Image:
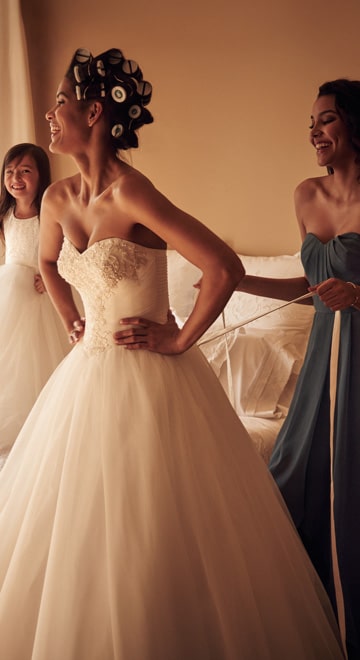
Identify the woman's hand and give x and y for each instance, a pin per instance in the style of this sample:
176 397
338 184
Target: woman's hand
335 294
39 283
148 335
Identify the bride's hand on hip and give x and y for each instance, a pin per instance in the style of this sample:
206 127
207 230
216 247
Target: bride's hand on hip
143 334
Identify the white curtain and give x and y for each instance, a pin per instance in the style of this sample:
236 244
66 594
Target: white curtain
16 118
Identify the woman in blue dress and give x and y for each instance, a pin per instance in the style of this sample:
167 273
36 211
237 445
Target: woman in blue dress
316 458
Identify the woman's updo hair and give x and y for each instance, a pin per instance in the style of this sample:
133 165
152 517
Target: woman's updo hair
347 103
118 83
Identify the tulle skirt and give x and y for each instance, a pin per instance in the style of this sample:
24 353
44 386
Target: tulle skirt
137 522
32 343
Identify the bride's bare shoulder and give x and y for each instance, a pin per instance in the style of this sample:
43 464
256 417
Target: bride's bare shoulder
130 180
64 188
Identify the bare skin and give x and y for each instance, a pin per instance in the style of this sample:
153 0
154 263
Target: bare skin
109 198
325 206
21 179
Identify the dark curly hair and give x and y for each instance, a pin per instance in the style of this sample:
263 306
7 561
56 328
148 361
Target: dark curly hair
16 153
347 103
118 84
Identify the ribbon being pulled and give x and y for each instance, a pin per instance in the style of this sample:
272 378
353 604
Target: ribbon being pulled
230 328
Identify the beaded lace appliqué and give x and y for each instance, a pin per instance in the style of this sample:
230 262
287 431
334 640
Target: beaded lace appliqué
95 273
124 264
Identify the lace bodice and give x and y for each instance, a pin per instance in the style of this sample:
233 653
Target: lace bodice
21 240
116 279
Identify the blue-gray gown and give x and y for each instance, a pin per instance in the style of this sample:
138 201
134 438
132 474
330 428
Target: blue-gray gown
300 462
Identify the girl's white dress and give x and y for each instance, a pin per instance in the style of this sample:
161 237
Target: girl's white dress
137 521
32 338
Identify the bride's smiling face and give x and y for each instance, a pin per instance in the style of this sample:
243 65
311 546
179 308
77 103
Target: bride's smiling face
67 120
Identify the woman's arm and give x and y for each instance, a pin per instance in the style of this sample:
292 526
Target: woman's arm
278 288
221 268
50 242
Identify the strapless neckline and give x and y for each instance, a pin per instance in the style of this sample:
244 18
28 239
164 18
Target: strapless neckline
111 239
310 234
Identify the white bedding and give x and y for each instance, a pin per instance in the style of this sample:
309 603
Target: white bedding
258 364
263 433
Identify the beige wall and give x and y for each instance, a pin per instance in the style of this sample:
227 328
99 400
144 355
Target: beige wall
234 82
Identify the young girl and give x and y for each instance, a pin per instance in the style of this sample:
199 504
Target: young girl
32 340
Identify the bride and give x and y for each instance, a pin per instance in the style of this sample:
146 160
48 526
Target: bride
137 521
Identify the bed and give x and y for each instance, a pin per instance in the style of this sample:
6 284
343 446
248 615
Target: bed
257 364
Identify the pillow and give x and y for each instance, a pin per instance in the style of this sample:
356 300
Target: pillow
182 275
265 355
243 306
218 350
259 373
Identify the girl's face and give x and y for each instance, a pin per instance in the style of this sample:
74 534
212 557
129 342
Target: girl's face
329 134
68 120
21 179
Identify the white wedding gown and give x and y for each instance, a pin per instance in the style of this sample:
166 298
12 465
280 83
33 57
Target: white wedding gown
32 338
137 522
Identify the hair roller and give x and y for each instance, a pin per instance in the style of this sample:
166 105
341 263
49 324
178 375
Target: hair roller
118 83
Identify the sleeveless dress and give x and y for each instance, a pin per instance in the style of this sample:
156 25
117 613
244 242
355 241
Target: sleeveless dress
137 521
32 338
300 462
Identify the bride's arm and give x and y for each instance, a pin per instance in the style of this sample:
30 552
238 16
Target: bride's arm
50 242
222 270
